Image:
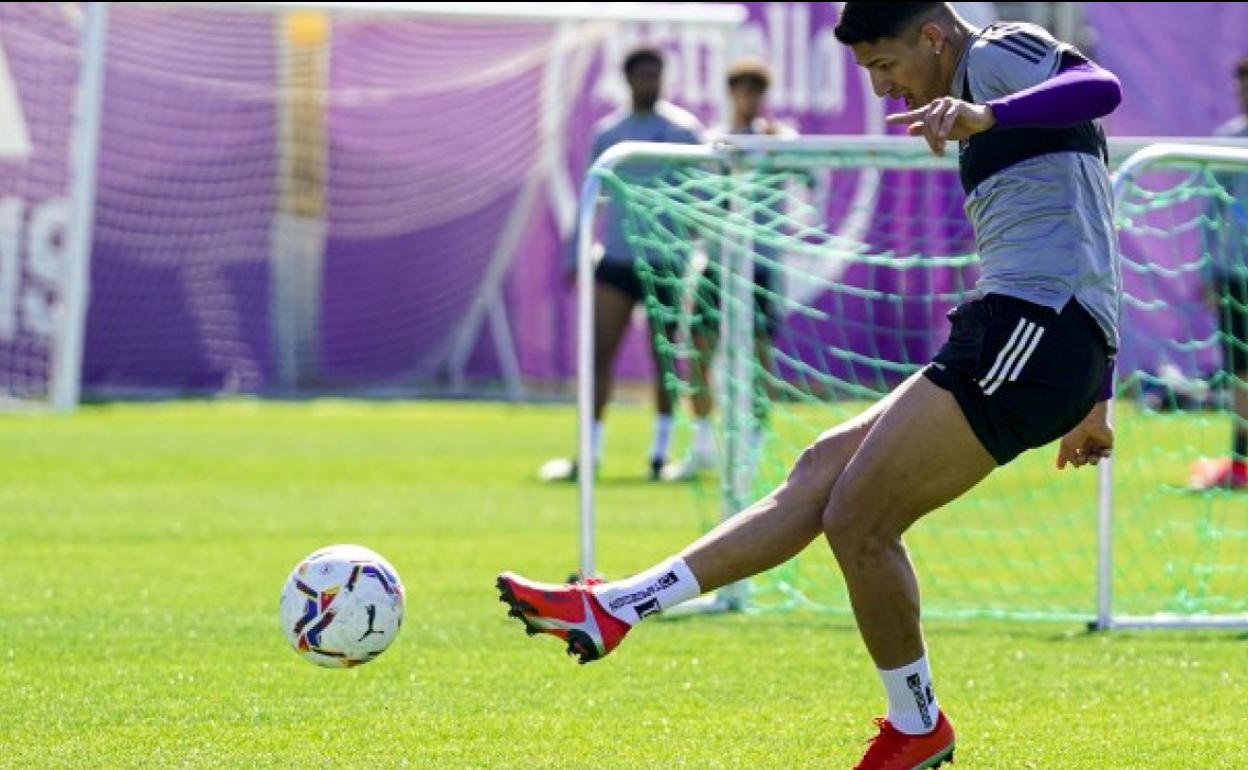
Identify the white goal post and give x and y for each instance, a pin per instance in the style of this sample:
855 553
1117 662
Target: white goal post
49 142
1166 155
870 154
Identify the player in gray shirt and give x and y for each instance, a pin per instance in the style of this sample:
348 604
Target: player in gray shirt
747 79
1025 364
618 279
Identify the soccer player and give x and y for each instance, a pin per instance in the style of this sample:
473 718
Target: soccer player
1227 294
1025 363
617 285
748 79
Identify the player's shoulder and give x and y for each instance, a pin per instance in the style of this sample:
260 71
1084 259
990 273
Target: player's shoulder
784 130
678 117
1006 43
609 124
761 127
1235 127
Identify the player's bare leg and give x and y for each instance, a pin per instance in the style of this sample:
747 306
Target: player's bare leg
786 520
701 453
613 310
594 618
700 373
662 396
920 455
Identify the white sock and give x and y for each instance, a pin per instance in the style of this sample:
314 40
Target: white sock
703 438
599 430
912 706
662 436
646 593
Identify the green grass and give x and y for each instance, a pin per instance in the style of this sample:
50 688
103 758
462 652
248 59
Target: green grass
142 548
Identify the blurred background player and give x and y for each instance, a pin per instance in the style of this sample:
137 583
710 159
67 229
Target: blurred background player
748 79
1227 293
618 286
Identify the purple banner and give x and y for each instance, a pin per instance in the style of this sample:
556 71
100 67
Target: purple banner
186 202
1176 63
452 157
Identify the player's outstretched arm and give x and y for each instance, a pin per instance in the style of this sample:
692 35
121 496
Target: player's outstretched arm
1080 91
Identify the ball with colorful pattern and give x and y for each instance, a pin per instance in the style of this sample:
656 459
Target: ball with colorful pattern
342 606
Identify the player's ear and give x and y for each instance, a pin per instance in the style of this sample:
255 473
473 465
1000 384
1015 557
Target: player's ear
932 37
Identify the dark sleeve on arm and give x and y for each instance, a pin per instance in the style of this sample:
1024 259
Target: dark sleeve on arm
1107 387
1079 91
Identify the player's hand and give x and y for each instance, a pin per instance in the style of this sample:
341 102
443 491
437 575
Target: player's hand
944 119
1088 442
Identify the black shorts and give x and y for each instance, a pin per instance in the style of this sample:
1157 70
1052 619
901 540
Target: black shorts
1233 323
627 277
708 297
1022 373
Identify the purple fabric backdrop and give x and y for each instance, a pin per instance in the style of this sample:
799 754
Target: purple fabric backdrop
37 46
421 179
397 284
185 203
1175 62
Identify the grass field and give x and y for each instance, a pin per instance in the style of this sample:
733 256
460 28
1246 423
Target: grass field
142 548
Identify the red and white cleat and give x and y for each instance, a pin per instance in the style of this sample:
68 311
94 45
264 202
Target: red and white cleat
892 749
569 611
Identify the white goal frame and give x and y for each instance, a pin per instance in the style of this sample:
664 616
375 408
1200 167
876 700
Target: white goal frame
1176 154
1132 156
65 341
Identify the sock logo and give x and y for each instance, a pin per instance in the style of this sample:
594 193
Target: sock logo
646 608
640 597
922 698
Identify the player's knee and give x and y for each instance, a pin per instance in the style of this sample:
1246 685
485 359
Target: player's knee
853 530
832 449
806 467
819 464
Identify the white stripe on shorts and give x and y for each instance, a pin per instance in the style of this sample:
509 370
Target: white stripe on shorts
1006 352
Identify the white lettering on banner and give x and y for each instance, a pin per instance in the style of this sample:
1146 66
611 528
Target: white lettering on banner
46 240
828 84
808 69
800 92
30 306
14 136
10 263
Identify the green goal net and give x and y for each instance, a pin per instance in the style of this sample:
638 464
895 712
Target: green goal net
808 281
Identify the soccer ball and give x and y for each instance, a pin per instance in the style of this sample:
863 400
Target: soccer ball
342 606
